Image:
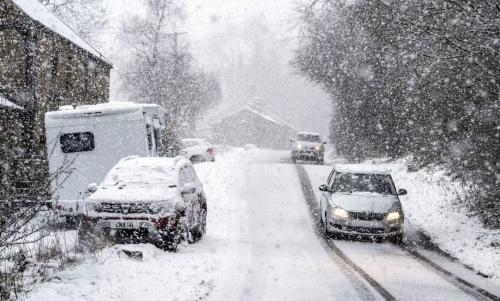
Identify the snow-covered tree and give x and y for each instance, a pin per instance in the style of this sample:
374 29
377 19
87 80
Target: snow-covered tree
85 17
161 69
412 77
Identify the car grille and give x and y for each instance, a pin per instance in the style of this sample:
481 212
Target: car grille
366 230
125 208
367 216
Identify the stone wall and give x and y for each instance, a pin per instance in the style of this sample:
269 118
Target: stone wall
40 71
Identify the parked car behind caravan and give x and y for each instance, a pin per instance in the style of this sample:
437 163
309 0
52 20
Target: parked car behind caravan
85 142
198 150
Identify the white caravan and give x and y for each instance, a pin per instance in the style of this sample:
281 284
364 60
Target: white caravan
85 142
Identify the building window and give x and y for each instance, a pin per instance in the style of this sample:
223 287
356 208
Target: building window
77 142
69 80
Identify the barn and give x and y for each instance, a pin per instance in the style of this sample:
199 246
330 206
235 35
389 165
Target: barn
253 125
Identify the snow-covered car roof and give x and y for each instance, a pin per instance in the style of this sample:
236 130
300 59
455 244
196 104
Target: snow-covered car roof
360 169
141 179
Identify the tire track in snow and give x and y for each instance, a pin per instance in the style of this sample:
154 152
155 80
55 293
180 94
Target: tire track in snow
462 284
345 264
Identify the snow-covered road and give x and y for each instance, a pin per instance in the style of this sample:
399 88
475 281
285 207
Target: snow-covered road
261 244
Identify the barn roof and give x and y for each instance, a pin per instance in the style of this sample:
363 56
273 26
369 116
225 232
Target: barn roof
268 115
39 12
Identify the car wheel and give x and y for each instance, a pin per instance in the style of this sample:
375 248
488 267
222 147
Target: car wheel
398 239
294 160
86 237
195 159
198 232
167 244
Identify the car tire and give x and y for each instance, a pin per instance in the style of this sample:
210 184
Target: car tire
85 237
168 245
195 159
397 239
294 160
200 230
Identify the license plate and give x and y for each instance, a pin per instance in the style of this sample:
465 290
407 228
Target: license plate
125 225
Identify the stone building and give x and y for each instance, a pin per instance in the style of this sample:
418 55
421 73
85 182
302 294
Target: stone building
44 64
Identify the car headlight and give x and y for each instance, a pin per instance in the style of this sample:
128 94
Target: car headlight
393 216
318 147
156 208
93 206
300 146
340 213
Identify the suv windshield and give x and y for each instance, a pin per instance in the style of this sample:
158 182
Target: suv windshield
309 138
375 183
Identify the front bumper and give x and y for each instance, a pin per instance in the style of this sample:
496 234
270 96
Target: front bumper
129 229
370 228
307 154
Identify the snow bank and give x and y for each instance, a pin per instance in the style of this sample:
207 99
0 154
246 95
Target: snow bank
431 206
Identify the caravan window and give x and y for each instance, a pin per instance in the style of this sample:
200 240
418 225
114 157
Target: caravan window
77 142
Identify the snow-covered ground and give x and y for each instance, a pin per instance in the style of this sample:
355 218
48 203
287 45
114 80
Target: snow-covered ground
260 245
431 207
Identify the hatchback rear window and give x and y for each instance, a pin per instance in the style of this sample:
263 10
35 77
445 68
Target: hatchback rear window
77 142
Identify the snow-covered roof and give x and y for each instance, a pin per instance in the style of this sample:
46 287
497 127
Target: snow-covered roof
39 12
361 169
270 116
103 108
6 103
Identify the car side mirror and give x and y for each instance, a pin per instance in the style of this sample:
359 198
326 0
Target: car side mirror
292 140
188 188
402 192
92 188
323 188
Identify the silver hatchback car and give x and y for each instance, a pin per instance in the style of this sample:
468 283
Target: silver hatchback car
361 202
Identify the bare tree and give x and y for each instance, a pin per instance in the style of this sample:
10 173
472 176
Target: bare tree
85 17
160 69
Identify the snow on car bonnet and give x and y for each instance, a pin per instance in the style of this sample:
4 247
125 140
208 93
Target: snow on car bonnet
138 179
360 169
